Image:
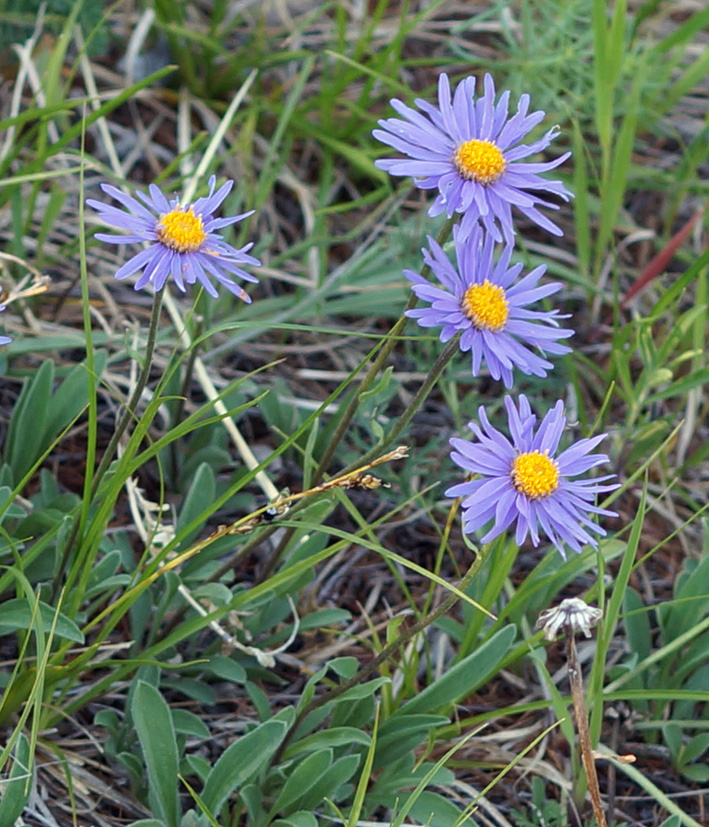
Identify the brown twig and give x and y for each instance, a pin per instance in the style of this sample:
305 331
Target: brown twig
577 695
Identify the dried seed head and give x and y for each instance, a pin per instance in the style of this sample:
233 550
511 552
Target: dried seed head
570 616
366 481
400 452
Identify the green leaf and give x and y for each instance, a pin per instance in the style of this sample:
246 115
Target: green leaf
382 384
17 614
696 772
637 624
327 785
427 779
344 667
304 776
110 584
360 160
17 788
672 734
260 701
681 386
105 568
435 811
620 584
11 511
242 760
691 602
397 726
192 688
187 723
132 764
198 765
356 713
333 737
324 617
156 733
678 286
465 676
25 435
201 493
299 819
339 773
400 735
694 749
107 718
227 669
672 821
70 398
363 690
252 797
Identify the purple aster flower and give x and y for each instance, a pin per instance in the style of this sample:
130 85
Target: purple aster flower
184 242
470 151
482 301
521 479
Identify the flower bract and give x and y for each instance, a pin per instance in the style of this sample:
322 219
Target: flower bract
482 299
471 152
184 240
521 479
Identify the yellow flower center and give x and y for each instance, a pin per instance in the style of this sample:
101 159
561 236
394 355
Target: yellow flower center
181 230
535 474
480 161
486 306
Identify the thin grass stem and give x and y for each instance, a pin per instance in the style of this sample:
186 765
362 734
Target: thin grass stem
192 356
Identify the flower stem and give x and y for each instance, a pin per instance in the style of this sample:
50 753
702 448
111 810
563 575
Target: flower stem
577 694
